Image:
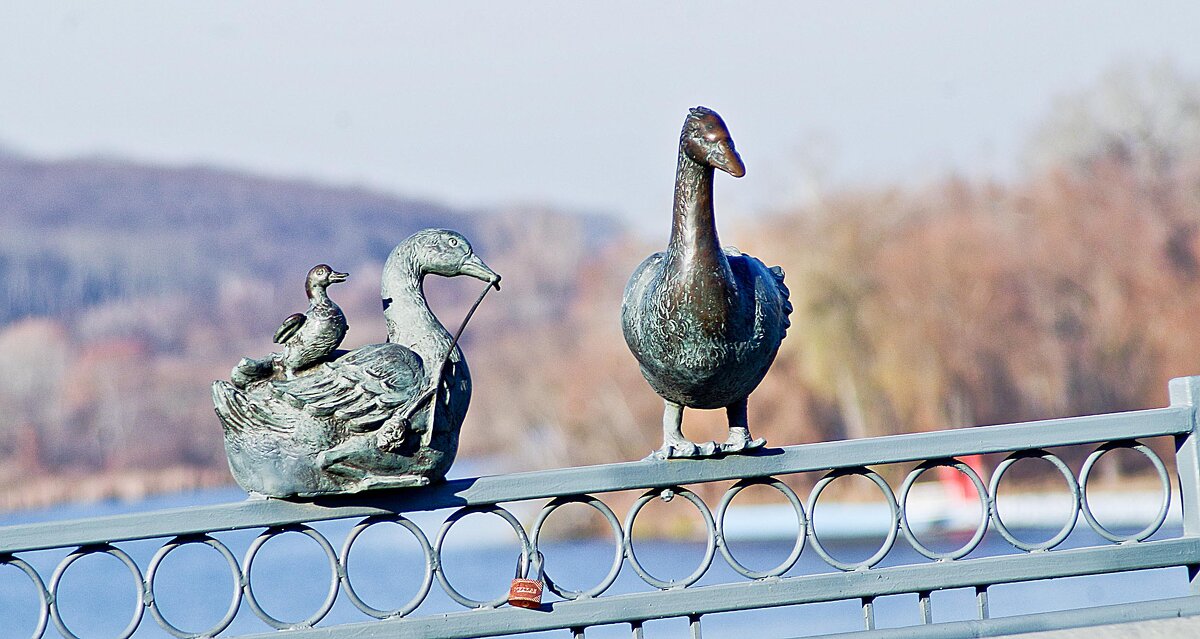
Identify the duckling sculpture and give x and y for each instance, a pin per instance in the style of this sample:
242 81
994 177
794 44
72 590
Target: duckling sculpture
704 322
307 338
380 416
310 337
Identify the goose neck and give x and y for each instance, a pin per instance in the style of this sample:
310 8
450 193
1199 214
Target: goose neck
694 245
410 322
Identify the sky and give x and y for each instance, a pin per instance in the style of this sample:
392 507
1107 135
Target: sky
576 105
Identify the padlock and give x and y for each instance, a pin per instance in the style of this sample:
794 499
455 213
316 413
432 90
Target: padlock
526 592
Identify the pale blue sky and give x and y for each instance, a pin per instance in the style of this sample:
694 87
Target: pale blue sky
569 103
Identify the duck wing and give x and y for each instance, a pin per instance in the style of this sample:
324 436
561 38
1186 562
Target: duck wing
289 327
363 388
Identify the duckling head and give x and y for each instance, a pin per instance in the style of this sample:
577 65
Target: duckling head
321 276
707 142
449 254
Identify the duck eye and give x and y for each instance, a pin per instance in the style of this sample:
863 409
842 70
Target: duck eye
453 241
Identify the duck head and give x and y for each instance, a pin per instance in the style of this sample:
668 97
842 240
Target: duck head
707 142
449 254
321 276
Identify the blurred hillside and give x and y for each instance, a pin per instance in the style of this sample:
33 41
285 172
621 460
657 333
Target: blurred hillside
125 289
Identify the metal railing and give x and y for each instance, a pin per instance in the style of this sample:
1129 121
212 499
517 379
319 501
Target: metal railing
862 581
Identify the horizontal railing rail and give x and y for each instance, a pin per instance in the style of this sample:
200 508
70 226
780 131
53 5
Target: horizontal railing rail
693 597
489 490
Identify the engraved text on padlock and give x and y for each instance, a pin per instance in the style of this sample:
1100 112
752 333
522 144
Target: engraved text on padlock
525 592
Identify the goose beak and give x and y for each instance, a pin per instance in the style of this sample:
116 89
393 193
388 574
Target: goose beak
729 161
338 277
477 269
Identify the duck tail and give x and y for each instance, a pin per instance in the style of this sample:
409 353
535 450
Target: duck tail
251 370
784 295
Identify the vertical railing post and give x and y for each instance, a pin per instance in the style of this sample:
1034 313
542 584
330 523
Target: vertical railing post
1185 392
868 608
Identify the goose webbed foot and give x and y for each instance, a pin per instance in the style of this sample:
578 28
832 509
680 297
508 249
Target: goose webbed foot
395 431
739 441
680 448
392 435
675 445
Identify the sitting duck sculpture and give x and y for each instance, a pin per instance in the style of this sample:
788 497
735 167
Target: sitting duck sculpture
704 322
380 416
308 338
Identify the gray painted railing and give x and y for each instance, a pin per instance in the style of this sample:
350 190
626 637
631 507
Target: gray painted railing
861 581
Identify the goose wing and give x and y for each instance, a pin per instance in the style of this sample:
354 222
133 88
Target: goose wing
767 281
244 414
362 388
289 327
639 295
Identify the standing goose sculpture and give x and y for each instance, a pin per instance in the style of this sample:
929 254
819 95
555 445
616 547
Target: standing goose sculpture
704 322
380 416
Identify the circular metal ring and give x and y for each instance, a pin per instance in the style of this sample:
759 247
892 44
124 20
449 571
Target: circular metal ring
426 583
234 570
526 552
710 550
618 538
894 516
39 585
139 607
801 532
334 569
1159 518
984 509
1072 486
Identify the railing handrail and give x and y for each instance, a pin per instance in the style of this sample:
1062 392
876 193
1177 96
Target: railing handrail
487 490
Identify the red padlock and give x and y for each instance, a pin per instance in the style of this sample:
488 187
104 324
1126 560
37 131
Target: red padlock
526 592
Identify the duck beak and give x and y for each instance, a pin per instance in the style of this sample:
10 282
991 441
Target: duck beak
477 269
338 277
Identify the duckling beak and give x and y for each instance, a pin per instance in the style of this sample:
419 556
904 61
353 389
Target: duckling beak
338 277
477 269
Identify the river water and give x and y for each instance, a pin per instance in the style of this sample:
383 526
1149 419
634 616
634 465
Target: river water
291 578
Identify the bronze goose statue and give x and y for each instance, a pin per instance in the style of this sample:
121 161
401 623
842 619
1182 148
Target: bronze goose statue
704 322
380 416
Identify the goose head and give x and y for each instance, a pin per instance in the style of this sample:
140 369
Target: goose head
321 276
706 141
449 254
